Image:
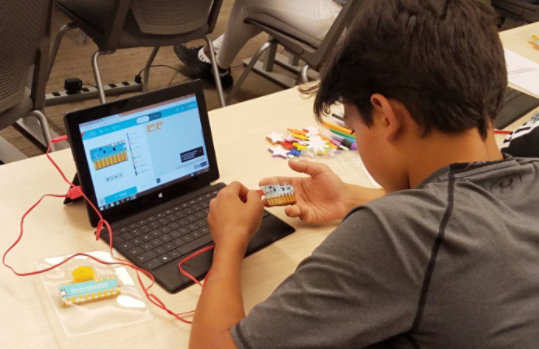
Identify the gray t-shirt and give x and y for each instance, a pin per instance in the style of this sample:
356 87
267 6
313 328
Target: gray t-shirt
451 264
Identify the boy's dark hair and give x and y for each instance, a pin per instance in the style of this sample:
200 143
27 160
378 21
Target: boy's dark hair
441 58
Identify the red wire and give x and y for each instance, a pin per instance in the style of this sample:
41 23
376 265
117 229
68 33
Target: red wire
119 261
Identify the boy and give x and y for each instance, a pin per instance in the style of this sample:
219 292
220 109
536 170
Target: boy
448 258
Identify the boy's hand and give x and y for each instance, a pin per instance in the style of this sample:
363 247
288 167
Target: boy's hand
235 215
320 198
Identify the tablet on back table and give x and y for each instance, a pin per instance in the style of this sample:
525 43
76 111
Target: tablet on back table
148 163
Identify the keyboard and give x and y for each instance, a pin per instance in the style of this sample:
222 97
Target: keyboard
167 235
516 105
509 94
159 239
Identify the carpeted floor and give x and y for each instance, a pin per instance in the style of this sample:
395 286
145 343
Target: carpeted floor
74 60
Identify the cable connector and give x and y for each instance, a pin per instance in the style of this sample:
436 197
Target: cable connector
74 192
59 139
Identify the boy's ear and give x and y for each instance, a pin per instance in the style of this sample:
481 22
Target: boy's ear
389 114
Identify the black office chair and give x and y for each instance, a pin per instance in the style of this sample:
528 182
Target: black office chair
514 13
25 36
117 24
302 47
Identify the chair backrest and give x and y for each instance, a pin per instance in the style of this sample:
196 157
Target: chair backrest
24 37
526 11
173 17
114 24
311 50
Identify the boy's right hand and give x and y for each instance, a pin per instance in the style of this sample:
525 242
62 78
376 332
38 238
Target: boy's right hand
320 198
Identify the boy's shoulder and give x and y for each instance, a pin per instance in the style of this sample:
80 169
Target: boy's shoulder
461 185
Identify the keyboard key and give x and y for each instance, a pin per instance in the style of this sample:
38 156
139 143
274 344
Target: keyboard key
156 242
164 258
160 250
145 257
179 242
200 214
147 246
174 253
201 223
135 252
125 246
165 229
165 238
152 264
117 239
198 206
183 231
173 226
196 244
146 237
187 238
196 234
179 214
169 246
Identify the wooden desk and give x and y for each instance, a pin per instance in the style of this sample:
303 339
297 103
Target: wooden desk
517 40
55 230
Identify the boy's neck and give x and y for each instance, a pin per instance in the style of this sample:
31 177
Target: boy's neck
438 150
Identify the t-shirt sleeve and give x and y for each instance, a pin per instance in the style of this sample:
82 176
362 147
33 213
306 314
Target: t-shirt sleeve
359 287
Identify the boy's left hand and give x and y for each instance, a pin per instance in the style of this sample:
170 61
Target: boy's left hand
235 215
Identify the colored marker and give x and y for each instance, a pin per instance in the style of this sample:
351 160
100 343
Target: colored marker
337 127
342 134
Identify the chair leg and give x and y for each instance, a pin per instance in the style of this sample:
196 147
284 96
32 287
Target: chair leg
36 130
215 72
303 77
63 30
269 60
97 75
247 69
146 78
44 127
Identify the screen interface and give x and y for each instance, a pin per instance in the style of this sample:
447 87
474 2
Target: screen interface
130 154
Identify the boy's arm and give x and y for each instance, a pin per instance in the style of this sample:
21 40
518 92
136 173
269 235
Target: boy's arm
234 217
220 305
358 195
